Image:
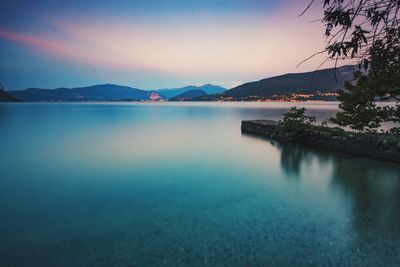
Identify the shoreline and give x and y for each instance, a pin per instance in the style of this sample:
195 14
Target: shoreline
375 146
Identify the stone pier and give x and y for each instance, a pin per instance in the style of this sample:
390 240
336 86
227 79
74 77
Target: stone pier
375 146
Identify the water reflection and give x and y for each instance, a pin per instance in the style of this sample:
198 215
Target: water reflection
177 184
292 157
3 113
371 189
374 190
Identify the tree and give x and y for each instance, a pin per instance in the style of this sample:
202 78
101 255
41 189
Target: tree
294 122
367 31
358 108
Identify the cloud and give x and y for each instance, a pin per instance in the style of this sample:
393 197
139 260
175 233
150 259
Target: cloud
42 44
88 51
194 46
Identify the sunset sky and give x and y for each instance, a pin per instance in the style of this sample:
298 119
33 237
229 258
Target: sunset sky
153 44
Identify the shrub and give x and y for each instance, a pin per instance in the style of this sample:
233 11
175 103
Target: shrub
294 122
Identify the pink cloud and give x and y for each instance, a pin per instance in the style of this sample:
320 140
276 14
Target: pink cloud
42 44
92 51
215 47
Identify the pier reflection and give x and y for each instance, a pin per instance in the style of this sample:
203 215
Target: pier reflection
371 188
374 190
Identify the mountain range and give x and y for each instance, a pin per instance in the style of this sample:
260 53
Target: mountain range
106 92
209 89
4 97
308 82
189 95
315 82
321 83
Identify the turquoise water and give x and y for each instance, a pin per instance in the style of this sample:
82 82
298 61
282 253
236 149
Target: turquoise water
180 185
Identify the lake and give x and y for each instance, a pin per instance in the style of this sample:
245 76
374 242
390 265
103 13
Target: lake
178 184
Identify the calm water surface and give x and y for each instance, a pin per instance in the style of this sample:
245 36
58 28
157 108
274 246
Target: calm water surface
179 185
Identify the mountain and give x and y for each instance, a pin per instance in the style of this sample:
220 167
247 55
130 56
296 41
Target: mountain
4 97
321 84
188 95
292 83
102 92
208 88
106 92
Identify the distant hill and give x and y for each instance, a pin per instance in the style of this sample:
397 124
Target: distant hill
308 82
322 83
208 88
106 92
4 97
102 92
188 95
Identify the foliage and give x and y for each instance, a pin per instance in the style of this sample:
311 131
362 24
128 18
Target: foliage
358 108
358 101
294 122
353 26
368 31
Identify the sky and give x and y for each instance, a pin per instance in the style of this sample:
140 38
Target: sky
154 44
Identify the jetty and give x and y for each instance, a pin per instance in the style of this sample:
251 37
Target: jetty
371 145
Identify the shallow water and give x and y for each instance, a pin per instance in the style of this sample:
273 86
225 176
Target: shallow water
180 185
